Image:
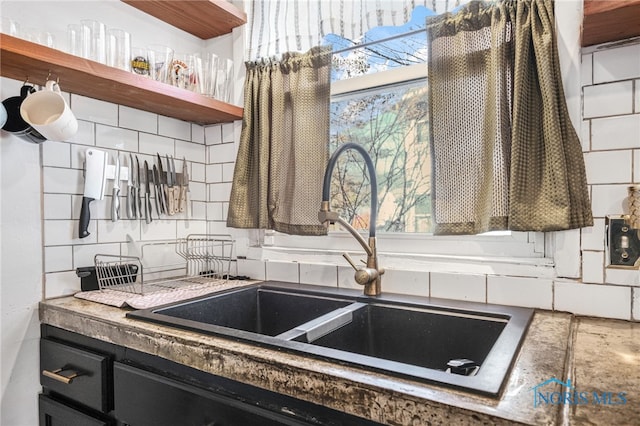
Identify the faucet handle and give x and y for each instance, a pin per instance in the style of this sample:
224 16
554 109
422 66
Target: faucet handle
348 259
363 275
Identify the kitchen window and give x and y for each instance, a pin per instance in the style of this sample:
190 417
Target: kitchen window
379 100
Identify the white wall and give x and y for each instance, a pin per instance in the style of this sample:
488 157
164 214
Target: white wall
41 186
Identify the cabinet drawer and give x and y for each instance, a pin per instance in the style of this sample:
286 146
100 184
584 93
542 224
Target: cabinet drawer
148 399
54 413
77 374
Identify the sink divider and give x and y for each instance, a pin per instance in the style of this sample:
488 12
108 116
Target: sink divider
323 325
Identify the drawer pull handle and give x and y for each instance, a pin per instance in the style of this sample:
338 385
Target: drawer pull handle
55 375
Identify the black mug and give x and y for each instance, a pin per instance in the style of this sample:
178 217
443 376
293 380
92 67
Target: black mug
15 124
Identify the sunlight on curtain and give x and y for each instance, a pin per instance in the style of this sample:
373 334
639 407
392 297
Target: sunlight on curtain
504 152
278 26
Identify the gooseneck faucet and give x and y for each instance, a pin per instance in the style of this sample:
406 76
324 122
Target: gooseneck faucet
370 275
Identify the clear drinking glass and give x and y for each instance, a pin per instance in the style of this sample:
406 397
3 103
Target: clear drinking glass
75 40
139 61
119 49
224 80
210 74
95 35
160 60
10 27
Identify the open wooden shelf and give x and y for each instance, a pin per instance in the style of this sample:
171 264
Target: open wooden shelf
610 20
202 18
22 59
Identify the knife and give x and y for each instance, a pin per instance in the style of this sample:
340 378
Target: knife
131 212
157 189
171 181
94 185
184 187
115 198
177 184
147 195
163 195
138 185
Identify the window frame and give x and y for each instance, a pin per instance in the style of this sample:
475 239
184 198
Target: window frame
516 248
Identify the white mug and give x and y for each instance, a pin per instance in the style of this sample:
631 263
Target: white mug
48 112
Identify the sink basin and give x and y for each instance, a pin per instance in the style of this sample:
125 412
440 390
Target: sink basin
460 344
256 310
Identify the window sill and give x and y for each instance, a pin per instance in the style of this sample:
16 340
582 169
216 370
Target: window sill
537 267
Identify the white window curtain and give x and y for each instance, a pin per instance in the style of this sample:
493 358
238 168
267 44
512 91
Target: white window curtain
279 26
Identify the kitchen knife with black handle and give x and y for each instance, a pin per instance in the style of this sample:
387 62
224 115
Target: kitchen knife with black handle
157 190
95 178
163 193
138 186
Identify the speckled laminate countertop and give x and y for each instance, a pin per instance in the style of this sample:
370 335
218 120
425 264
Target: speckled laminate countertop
600 357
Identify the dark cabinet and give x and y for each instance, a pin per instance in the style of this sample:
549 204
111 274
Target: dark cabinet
87 382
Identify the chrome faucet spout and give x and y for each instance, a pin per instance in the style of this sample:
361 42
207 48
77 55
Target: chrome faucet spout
370 275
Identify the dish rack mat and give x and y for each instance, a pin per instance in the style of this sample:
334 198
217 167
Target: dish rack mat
196 259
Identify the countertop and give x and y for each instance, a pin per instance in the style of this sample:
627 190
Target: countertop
598 358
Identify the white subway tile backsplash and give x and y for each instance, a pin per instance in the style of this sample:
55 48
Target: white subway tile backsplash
193 226
615 132
635 310
56 154
94 110
518 291
621 63
116 138
58 258
317 274
346 278
65 232
135 119
191 151
608 200
198 191
59 284
66 181
225 211
592 299
593 267
114 232
83 255
586 70
199 210
154 144
219 191
405 282
214 173
607 99
197 172
227 172
593 236
619 168
282 271
158 230
222 153
585 135
636 166
57 206
636 108
459 286
228 133
627 277
86 134
214 211
254 269
197 133
213 134
174 128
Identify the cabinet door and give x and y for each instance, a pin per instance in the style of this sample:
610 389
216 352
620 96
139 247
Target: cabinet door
54 413
143 398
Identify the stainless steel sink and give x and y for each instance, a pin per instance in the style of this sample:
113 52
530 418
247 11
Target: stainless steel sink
461 344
